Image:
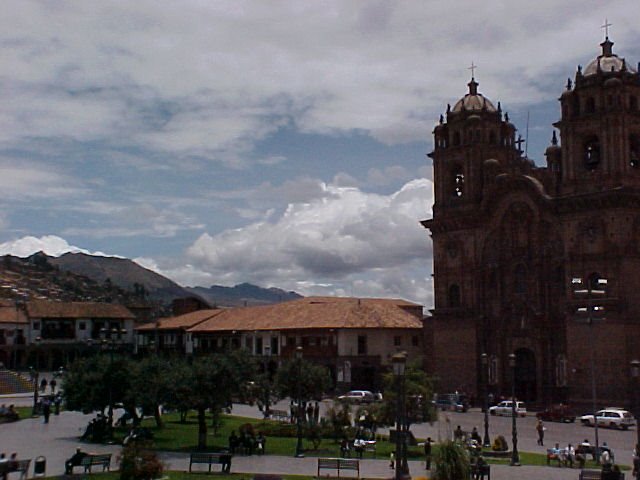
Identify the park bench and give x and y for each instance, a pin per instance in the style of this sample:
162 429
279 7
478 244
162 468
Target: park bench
481 471
215 458
339 464
279 415
21 466
560 457
96 460
595 475
364 446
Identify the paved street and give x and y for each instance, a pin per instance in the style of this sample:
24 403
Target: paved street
58 439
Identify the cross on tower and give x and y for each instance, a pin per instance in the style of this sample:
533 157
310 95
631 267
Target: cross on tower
473 69
519 143
606 28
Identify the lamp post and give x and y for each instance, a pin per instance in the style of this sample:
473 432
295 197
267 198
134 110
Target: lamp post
484 362
635 374
515 458
399 362
35 374
298 354
590 307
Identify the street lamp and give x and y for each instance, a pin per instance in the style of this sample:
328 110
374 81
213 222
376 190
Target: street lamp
484 362
299 410
635 374
592 308
399 362
515 458
35 374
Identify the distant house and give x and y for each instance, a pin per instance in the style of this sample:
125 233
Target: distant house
170 334
59 331
13 329
354 337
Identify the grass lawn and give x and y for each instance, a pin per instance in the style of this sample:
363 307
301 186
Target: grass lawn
183 437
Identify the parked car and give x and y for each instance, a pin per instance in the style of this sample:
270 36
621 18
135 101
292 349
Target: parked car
456 402
610 417
505 408
557 413
357 396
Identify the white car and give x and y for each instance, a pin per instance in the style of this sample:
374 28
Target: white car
610 417
505 408
357 396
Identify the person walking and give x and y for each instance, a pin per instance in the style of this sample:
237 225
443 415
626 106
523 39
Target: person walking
427 453
540 429
46 409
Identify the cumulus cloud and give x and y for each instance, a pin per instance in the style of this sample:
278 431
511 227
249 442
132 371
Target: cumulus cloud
344 240
50 244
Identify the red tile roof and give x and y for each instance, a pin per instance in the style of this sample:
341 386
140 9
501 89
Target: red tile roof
9 313
185 321
316 313
48 309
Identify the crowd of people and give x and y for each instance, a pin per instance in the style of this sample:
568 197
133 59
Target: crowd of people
247 443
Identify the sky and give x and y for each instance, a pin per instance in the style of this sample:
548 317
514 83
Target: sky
278 142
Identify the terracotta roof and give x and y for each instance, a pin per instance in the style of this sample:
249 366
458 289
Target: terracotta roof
315 313
181 321
9 313
47 309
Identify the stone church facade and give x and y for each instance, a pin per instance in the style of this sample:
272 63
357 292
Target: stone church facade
509 238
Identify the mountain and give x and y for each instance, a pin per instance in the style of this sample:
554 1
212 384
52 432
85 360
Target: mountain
122 272
244 294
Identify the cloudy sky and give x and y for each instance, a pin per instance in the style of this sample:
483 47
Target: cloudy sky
276 142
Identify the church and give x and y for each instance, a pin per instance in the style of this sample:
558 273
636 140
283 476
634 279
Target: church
537 268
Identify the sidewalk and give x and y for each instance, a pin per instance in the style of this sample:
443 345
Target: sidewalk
58 439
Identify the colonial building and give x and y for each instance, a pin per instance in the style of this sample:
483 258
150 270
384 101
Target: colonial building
355 338
509 237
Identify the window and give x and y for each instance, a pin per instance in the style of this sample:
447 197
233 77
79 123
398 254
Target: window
397 341
561 371
493 370
258 345
492 138
454 296
456 138
82 326
415 341
591 153
634 150
362 344
590 106
36 325
633 104
520 279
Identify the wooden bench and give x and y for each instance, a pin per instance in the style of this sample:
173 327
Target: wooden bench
21 466
211 458
339 464
595 475
95 460
361 447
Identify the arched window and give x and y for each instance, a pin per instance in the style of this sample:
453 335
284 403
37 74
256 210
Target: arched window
520 279
590 106
454 296
457 181
592 152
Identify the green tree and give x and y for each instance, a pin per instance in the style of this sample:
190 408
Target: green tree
309 379
418 394
150 385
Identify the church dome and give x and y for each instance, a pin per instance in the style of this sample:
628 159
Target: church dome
473 101
607 62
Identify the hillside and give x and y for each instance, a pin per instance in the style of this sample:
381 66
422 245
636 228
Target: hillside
244 294
122 272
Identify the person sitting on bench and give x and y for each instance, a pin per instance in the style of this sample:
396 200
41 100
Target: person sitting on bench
74 461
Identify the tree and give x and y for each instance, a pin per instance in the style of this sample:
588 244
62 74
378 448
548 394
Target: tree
150 385
312 380
418 395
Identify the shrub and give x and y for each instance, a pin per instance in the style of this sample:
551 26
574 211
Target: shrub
451 462
139 462
499 444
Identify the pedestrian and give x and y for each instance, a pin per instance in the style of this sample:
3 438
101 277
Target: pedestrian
316 413
392 460
540 429
52 385
43 385
46 409
57 400
427 453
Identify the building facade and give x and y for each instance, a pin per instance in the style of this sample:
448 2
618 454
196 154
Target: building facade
510 239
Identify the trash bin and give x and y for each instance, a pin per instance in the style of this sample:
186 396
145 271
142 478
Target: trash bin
40 466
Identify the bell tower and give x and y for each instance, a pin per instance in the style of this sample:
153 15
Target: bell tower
600 125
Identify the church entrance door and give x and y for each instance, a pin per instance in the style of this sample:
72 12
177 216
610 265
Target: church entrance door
526 385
